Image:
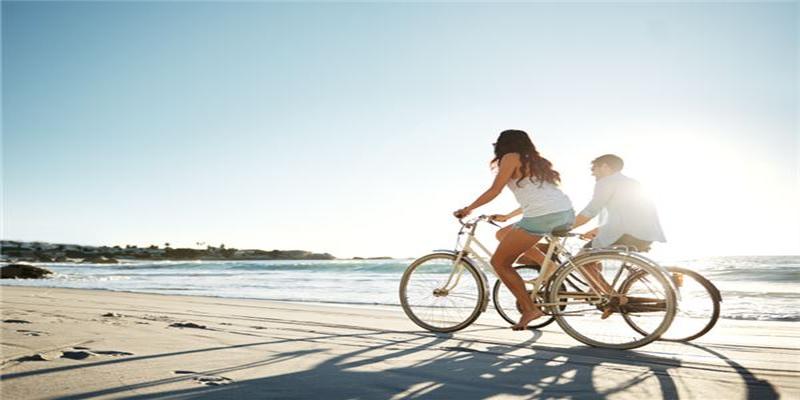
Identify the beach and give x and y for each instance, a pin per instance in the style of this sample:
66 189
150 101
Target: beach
77 343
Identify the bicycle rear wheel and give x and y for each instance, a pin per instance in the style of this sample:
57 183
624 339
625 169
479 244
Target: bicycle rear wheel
440 295
596 316
698 307
508 306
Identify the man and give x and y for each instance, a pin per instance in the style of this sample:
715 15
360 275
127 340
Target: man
630 218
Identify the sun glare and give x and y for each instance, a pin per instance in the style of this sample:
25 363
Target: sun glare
709 200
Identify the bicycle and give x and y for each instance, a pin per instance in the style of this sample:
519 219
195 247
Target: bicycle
698 307
447 290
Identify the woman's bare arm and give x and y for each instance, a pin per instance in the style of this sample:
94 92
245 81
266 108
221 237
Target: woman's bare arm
508 164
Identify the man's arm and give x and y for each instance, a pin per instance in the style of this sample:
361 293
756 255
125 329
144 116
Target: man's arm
600 198
580 220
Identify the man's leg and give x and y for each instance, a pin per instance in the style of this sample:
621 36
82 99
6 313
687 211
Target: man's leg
593 272
594 275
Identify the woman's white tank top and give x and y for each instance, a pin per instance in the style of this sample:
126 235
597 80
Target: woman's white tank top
538 198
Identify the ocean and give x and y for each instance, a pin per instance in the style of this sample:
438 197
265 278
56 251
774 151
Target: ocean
753 288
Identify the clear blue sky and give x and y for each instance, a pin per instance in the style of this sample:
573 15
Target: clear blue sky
356 129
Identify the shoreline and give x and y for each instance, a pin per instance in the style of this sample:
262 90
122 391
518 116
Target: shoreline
387 306
124 260
299 302
107 344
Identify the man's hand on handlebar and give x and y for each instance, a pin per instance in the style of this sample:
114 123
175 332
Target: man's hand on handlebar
589 235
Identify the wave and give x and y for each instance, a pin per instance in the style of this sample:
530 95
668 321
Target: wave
756 294
784 274
761 317
324 268
364 267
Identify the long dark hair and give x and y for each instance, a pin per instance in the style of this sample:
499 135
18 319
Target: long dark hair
534 166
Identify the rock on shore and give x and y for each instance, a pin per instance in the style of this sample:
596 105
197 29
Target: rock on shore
23 271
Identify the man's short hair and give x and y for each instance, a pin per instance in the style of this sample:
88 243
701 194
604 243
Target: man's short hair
612 160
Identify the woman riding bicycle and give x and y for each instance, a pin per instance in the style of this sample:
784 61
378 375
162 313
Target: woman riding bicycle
544 207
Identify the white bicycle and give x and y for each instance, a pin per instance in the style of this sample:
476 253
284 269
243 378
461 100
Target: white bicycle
601 294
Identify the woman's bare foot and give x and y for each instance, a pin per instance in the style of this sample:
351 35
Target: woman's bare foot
526 318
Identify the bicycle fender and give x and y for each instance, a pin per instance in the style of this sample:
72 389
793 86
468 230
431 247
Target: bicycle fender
715 293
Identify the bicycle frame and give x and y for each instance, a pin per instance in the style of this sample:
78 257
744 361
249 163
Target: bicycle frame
469 254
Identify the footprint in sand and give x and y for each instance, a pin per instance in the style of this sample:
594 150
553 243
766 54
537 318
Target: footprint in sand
111 353
32 333
162 318
111 315
77 353
187 325
48 356
210 380
213 380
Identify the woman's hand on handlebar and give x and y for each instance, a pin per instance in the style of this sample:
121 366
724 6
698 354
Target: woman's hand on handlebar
462 212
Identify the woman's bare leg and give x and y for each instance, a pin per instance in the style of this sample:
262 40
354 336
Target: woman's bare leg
514 243
534 255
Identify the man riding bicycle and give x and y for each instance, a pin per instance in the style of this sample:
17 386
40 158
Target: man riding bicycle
629 217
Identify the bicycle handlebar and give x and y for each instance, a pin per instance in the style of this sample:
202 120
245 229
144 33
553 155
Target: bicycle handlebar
475 220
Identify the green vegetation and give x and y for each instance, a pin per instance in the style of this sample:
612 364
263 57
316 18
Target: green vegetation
49 252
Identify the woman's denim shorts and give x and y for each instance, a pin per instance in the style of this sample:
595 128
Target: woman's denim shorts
547 223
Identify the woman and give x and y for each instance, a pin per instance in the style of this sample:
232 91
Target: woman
543 205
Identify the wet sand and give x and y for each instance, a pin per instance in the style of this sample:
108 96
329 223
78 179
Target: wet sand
69 343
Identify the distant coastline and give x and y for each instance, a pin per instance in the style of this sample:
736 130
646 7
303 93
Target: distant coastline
16 251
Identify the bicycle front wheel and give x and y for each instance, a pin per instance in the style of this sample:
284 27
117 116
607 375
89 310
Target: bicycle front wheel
596 310
698 307
440 295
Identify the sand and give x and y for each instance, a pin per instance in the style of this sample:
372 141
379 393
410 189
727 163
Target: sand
68 343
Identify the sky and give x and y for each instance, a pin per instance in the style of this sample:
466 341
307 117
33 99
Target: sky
358 128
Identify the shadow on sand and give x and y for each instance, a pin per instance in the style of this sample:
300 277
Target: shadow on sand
398 365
